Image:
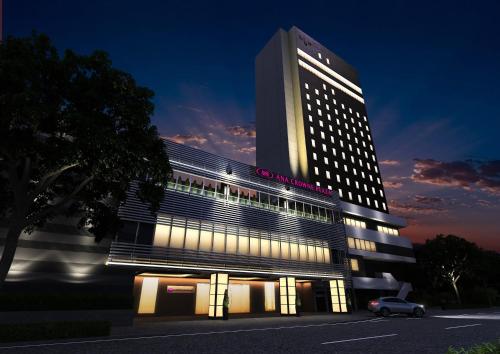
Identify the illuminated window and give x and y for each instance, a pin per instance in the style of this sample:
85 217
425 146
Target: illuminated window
354 265
338 178
306 85
308 97
388 230
315 157
354 222
177 237
326 160
328 61
324 147
313 143
162 235
316 171
311 130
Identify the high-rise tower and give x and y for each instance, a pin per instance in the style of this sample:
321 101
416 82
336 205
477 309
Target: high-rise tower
312 124
312 121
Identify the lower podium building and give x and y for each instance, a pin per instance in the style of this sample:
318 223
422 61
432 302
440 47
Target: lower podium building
266 238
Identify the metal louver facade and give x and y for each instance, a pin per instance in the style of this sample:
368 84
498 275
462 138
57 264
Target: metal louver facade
308 244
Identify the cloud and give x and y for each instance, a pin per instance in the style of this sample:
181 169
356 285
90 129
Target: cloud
389 162
407 208
392 185
469 174
484 203
247 150
427 200
188 139
246 131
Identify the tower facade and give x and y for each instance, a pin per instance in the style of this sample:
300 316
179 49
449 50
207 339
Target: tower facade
312 124
312 121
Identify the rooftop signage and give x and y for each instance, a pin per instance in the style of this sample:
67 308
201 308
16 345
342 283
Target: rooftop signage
264 173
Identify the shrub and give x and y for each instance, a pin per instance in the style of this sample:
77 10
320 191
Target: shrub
54 302
484 348
53 330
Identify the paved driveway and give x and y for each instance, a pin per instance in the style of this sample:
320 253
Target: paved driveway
312 334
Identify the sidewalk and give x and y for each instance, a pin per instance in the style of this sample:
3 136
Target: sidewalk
153 326
143 327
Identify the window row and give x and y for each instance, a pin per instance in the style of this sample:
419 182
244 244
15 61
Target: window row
355 223
180 235
388 230
219 190
360 200
359 244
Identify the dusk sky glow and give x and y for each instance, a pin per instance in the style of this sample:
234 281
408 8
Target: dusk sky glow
429 72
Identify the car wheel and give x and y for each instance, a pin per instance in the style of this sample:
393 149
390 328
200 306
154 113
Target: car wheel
418 312
385 312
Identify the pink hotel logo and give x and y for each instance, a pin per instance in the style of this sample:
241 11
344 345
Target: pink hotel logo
262 172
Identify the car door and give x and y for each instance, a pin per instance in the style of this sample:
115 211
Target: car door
394 304
391 304
403 306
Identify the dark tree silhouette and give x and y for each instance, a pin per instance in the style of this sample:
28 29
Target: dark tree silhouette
446 259
74 133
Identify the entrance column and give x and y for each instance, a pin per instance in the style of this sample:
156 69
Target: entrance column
337 293
218 285
287 296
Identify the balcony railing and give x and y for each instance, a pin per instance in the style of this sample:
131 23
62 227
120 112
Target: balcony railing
147 255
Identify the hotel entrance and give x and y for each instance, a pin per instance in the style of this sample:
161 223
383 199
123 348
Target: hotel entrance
188 295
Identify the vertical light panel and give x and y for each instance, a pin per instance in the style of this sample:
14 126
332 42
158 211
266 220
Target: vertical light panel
287 296
269 296
218 285
337 291
202 298
162 235
239 296
149 289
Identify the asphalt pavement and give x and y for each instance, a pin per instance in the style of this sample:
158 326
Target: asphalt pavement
359 333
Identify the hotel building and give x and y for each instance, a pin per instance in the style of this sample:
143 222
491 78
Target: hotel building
265 237
311 114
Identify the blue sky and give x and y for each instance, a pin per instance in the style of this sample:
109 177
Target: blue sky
429 70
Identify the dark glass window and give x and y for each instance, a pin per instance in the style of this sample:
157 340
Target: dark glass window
127 232
145 234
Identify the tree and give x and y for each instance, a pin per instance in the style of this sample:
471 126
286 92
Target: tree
74 133
447 259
